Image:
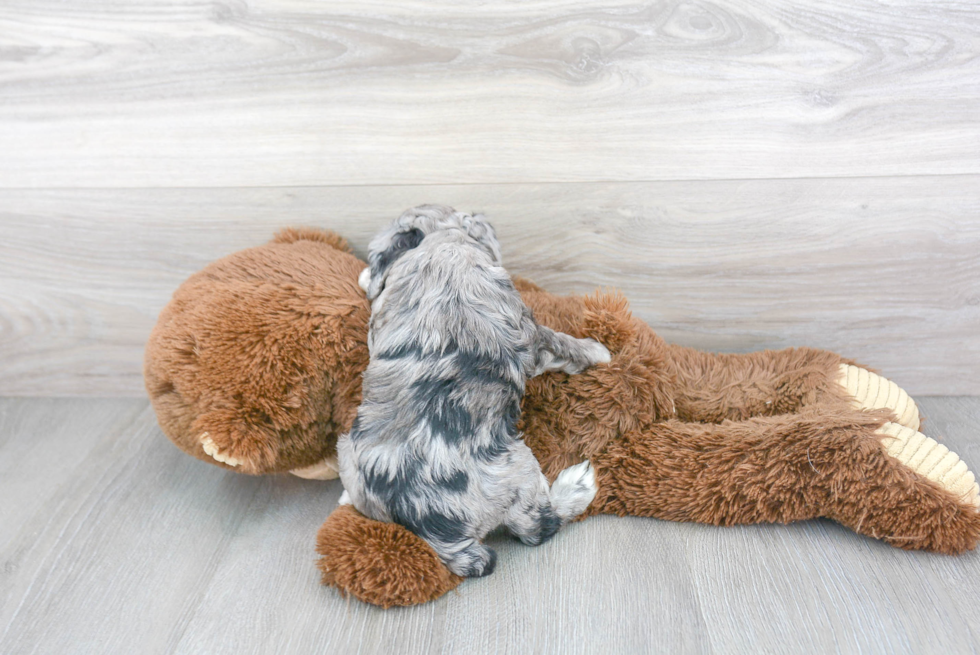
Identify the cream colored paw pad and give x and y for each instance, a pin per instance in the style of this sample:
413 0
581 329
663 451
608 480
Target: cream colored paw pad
212 451
871 391
931 459
326 469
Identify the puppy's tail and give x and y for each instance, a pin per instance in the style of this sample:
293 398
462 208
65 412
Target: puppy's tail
573 490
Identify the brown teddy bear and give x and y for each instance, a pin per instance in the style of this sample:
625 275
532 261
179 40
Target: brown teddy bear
255 366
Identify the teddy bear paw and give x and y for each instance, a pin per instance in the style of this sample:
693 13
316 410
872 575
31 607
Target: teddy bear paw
325 469
215 453
931 459
871 391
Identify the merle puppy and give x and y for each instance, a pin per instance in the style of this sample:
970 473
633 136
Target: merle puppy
435 446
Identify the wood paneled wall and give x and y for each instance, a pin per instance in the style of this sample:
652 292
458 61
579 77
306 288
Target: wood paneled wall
752 175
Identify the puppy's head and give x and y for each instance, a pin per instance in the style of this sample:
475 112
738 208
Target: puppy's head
408 231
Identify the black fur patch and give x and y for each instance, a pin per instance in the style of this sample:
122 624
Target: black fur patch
393 491
401 351
548 524
355 428
512 414
400 244
504 283
437 526
447 417
456 483
491 451
476 368
415 351
491 565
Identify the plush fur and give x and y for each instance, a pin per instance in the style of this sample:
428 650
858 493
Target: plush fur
265 349
263 352
435 445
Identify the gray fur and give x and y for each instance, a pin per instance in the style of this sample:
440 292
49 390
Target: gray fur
435 446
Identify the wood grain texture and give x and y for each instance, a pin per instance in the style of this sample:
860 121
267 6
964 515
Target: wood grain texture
886 271
304 92
112 541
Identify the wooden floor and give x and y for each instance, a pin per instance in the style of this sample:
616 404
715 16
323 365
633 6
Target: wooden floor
113 541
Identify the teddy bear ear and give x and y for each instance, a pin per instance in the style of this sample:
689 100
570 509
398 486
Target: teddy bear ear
294 234
608 320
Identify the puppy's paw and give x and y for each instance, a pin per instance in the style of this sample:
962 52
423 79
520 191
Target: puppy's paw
364 279
212 450
345 499
598 353
587 352
573 490
475 561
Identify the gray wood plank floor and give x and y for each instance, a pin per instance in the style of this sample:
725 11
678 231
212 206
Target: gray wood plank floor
112 541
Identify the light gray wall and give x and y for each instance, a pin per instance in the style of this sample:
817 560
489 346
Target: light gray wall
751 176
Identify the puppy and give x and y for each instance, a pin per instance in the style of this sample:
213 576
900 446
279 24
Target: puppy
435 445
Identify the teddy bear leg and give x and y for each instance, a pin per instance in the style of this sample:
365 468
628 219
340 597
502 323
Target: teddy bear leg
869 390
925 499
878 478
932 460
711 387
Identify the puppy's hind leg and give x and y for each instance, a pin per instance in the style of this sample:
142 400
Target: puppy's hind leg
557 351
539 511
532 518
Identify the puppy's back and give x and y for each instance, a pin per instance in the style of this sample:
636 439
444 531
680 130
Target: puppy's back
450 348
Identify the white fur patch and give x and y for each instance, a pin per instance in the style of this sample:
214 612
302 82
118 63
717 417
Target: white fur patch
364 279
573 490
600 354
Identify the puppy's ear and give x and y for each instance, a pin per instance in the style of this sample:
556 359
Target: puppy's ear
380 262
484 234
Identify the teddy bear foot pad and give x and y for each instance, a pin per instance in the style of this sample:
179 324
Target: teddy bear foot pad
212 450
326 469
871 391
932 460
